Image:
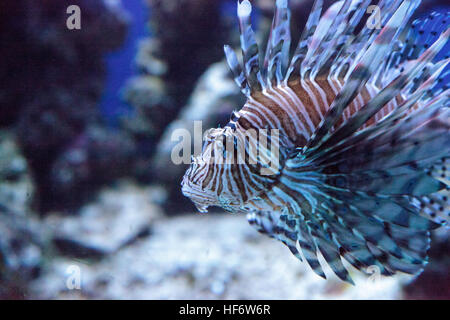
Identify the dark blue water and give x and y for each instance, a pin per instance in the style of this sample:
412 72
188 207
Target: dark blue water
120 64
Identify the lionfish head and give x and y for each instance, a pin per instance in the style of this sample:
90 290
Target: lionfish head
200 182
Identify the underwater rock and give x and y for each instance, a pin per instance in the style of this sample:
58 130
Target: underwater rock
207 257
49 62
147 94
16 187
97 157
53 77
119 216
146 59
21 252
21 236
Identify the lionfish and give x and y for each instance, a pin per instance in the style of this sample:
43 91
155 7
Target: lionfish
363 139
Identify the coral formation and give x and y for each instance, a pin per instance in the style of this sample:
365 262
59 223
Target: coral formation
21 252
16 187
53 78
21 240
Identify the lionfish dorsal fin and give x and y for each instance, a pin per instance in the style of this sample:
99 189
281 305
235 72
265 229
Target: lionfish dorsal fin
251 77
277 52
250 51
363 70
325 31
305 39
349 15
236 70
388 93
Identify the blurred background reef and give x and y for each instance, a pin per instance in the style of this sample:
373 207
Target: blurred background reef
86 179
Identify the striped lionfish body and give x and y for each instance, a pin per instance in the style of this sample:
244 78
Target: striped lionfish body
356 133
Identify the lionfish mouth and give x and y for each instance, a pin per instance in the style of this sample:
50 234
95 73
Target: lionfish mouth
201 198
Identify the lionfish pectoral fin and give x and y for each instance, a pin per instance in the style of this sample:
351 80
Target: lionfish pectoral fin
361 73
291 231
270 224
368 188
358 190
